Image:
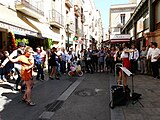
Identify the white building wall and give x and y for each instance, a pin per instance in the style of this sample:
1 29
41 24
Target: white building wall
115 16
99 28
93 17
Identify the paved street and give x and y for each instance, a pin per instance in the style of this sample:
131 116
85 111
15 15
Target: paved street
150 90
12 108
89 101
86 100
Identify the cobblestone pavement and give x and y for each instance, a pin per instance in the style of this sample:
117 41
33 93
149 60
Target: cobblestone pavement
150 99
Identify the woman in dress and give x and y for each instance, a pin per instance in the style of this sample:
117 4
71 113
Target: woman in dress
126 62
27 63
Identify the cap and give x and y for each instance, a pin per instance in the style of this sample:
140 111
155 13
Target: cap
38 48
21 44
53 48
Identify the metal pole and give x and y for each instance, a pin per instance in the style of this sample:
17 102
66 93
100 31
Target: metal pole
68 37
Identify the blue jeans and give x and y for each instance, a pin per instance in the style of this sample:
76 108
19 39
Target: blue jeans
1 73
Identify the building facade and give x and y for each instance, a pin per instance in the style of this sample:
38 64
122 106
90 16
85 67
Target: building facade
93 25
59 23
144 24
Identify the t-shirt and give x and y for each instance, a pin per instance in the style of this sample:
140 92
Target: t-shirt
154 53
101 55
43 55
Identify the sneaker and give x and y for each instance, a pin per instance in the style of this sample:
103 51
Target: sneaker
30 103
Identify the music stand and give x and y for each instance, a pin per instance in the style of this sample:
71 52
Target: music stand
134 96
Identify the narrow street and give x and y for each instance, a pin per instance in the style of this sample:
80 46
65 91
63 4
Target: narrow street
43 94
88 101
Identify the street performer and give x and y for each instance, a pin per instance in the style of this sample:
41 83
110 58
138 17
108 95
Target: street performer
27 63
126 62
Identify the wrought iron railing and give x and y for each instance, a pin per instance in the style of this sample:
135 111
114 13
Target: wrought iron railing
55 16
36 6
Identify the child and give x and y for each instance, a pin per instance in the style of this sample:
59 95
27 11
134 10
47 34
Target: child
76 64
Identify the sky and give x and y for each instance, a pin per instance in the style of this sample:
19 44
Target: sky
104 6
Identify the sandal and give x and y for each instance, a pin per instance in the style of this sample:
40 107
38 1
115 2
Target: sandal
24 100
30 103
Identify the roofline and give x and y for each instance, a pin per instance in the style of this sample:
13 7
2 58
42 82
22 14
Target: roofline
134 13
123 4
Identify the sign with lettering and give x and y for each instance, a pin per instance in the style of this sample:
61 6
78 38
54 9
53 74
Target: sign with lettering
120 36
17 30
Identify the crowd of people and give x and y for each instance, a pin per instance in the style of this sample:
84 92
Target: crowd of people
24 60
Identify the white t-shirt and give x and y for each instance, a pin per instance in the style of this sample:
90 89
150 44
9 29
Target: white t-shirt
149 52
124 55
154 53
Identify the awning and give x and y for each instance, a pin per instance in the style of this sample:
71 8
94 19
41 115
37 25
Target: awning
120 40
9 20
42 28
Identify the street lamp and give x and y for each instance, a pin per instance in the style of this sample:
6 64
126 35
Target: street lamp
102 41
68 37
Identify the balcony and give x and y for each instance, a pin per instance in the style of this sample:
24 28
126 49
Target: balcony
79 32
82 18
31 8
77 10
56 19
69 3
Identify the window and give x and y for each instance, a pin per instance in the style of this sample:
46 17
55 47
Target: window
157 9
116 29
76 24
122 18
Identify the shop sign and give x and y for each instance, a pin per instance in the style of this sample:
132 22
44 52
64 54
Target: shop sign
70 42
120 36
75 38
16 30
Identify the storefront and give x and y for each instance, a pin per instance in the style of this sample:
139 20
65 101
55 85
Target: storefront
119 39
11 23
